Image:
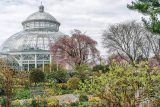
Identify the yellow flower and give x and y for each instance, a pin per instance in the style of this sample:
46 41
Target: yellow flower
38 97
52 101
16 101
94 99
29 101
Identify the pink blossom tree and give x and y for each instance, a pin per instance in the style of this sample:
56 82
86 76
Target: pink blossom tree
78 49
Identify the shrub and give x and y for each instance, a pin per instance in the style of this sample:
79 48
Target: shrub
73 74
2 92
49 92
3 101
26 84
73 82
83 98
36 76
81 68
20 93
33 104
58 76
21 103
15 103
37 101
94 99
52 102
102 68
76 104
66 91
81 75
62 85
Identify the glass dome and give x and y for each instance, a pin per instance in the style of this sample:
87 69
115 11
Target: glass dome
41 21
30 41
30 47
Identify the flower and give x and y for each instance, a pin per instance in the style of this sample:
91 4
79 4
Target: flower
38 97
22 102
94 99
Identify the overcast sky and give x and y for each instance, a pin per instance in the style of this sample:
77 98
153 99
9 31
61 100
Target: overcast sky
90 16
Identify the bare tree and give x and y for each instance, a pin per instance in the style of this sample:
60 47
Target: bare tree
128 38
154 41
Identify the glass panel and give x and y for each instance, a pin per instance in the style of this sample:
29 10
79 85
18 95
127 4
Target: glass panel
25 67
39 65
31 66
28 57
43 57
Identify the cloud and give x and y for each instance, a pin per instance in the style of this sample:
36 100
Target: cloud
91 16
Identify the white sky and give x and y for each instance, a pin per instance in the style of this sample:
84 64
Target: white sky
90 16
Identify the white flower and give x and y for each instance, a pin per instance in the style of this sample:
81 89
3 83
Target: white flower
22 102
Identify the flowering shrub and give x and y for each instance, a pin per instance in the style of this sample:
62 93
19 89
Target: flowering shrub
38 97
37 101
49 92
52 102
77 104
73 82
16 102
94 99
122 82
21 103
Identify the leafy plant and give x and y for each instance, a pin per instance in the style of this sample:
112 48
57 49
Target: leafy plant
76 104
101 68
49 92
36 76
20 93
73 82
52 102
83 98
33 104
124 84
58 76
62 85
81 67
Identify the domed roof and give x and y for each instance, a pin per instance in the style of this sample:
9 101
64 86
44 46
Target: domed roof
41 16
30 41
41 21
39 31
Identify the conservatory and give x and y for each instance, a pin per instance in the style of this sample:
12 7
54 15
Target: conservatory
9 61
30 47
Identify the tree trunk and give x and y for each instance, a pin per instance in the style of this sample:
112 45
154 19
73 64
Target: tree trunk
8 101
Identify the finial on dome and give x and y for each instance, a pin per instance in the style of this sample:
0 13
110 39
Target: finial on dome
41 7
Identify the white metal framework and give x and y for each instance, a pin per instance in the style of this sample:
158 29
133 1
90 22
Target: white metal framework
31 47
9 61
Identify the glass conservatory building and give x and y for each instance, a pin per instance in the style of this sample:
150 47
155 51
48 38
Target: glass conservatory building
9 61
30 47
